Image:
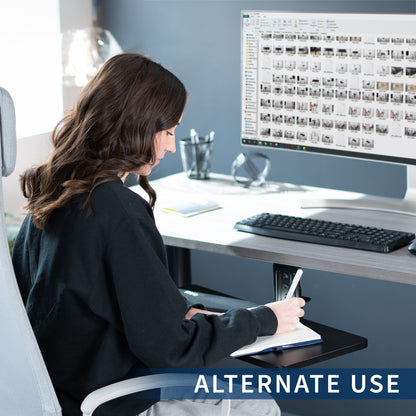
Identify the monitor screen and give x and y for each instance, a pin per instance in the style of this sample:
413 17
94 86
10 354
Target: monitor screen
340 84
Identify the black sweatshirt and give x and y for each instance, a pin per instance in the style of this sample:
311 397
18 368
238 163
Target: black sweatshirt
101 302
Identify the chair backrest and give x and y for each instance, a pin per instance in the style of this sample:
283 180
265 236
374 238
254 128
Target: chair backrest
25 385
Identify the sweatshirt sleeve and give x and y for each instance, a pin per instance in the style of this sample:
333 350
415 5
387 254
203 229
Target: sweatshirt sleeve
152 309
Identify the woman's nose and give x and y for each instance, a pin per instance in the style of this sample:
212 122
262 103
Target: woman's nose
171 147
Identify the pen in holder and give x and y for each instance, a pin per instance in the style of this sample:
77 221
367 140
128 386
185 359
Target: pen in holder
196 155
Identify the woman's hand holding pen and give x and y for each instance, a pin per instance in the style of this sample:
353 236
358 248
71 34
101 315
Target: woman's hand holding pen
288 312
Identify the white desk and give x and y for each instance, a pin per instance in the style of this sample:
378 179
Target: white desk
213 231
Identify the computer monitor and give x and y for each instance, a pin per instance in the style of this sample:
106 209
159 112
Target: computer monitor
336 84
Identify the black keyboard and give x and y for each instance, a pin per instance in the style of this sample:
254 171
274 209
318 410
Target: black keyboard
325 232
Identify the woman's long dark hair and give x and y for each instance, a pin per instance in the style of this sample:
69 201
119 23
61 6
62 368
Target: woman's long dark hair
109 132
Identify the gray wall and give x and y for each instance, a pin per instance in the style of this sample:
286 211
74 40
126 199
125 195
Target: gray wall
199 40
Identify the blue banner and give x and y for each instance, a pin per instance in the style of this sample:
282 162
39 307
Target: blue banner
299 384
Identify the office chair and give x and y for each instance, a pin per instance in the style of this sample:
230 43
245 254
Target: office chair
25 386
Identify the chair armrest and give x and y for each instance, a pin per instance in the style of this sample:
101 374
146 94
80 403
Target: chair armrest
137 384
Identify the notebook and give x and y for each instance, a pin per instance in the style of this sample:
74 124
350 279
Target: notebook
190 207
301 336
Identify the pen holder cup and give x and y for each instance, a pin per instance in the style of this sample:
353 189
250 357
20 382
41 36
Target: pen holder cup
196 157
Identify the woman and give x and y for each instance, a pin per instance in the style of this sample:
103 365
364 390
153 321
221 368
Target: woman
89 260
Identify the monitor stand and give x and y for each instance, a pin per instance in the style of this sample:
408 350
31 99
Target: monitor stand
406 206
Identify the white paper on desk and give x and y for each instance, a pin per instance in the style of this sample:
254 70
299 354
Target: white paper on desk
301 336
188 207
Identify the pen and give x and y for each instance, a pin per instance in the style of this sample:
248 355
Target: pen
294 284
194 136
